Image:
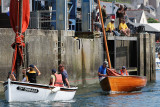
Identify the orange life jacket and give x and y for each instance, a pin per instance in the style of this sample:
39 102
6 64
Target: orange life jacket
123 73
58 80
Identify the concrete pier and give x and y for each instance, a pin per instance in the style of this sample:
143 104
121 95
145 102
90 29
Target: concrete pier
146 56
81 53
152 58
140 55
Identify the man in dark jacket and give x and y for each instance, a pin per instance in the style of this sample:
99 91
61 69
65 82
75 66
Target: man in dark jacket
32 74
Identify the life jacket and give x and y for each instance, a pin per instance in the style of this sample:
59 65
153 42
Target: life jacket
32 76
58 80
123 73
32 71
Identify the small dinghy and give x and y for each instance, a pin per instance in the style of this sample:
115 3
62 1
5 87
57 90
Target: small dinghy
117 83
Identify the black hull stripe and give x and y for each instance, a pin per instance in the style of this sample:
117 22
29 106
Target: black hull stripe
40 86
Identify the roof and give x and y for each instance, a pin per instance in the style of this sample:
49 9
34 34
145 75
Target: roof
148 27
155 26
150 7
109 7
129 6
147 8
148 15
135 13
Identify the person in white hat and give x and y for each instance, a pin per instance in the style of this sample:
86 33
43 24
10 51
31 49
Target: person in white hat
110 28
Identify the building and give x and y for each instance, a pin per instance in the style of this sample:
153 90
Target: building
158 13
137 16
154 3
137 3
149 8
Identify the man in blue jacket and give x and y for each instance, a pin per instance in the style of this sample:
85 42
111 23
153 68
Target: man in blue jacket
102 70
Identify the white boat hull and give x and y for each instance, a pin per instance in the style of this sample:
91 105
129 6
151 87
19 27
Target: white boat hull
157 66
23 92
157 62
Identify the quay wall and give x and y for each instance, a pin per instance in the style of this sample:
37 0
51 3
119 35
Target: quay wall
81 56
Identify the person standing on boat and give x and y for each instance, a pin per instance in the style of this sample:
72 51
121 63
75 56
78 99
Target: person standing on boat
102 70
64 75
32 74
56 79
124 71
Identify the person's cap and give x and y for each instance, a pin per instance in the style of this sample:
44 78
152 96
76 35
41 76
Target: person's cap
112 20
32 66
53 70
61 65
123 67
105 62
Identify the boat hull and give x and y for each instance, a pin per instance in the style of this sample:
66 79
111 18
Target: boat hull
24 92
123 83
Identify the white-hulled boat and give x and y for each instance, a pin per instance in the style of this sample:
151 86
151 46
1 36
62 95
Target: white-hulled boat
16 91
157 62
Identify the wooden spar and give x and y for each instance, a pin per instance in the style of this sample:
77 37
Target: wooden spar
104 35
18 60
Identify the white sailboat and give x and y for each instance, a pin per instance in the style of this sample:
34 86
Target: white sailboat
16 91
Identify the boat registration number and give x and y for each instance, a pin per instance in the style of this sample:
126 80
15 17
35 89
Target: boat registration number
27 89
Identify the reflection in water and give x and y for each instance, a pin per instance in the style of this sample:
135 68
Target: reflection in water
37 104
124 94
61 104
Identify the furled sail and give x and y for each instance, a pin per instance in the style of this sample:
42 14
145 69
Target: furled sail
14 20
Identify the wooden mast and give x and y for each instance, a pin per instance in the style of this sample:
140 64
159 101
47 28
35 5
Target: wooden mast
18 60
104 35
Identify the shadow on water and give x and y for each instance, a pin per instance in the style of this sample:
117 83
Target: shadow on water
115 94
3 103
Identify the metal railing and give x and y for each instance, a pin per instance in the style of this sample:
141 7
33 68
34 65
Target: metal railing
43 20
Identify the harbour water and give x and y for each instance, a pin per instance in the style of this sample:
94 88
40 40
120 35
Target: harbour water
93 96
